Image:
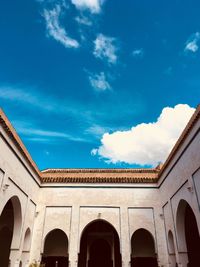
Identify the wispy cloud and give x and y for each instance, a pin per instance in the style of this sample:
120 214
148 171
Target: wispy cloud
82 116
105 48
25 96
145 143
55 30
138 53
96 130
94 6
168 71
32 133
192 44
83 20
99 82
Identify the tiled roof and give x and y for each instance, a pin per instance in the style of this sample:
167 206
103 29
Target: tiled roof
97 175
100 175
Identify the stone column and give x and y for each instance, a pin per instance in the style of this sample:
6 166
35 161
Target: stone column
124 240
74 237
161 243
37 238
14 258
183 259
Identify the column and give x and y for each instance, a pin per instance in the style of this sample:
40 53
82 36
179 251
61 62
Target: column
74 237
125 241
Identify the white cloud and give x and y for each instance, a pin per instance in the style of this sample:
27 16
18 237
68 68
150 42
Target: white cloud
99 82
93 5
96 130
192 43
104 48
146 143
138 52
83 20
55 30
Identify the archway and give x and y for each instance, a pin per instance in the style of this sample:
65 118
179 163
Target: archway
56 249
27 240
6 233
99 246
143 249
26 246
10 228
172 255
188 234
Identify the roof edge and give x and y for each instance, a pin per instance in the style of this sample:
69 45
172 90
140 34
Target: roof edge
18 142
100 170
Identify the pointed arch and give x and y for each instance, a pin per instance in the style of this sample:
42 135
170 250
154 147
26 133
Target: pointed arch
99 245
187 232
27 240
143 249
171 246
55 248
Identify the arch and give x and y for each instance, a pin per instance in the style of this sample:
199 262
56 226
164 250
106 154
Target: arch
27 240
10 228
17 208
143 249
87 225
188 233
99 245
171 246
55 249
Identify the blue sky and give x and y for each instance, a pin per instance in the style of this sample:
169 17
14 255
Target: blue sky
87 83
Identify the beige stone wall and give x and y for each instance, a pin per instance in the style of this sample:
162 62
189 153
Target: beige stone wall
181 180
18 182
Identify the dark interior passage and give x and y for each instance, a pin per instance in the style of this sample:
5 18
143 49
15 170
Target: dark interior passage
192 237
143 249
99 246
6 233
56 249
100 254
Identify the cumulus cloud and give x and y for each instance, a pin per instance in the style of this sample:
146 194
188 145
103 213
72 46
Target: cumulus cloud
99 82
55 30
192 44
146 143
104 48
138 52
94 6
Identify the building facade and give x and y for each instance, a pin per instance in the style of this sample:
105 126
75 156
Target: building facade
100 217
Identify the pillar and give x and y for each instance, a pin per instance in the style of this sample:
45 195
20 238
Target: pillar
125 240
74 238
